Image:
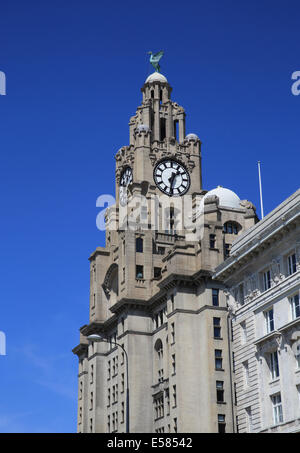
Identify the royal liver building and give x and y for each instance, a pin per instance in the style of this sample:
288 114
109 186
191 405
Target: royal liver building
157 354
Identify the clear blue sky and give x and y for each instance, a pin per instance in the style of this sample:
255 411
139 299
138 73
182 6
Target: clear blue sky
74 72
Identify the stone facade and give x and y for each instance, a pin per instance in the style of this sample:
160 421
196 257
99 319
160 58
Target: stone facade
263 281
152 290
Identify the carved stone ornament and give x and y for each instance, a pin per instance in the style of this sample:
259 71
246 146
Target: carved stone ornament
274 343
232 305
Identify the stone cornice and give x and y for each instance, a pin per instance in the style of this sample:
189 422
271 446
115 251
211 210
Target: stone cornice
80 350
269 230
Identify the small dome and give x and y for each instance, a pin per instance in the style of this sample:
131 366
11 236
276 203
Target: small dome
142 128
192 137
156 77
227 198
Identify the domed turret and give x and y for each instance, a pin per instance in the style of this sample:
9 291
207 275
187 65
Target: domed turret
192 137
156 77
227 198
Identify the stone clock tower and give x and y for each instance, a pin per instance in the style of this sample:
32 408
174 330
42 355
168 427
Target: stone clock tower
152 297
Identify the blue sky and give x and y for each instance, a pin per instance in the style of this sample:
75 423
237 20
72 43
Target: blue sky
74 72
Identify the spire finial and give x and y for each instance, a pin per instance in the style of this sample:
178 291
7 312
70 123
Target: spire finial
154 59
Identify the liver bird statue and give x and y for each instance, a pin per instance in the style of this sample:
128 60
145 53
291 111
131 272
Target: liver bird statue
154 59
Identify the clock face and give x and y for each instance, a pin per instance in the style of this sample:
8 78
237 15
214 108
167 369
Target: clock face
126 179
172 178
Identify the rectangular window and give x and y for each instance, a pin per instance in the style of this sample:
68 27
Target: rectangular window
122 412
173 364
217 327
139 245
122 382
269 315
246 373
249 419
157 272
218 359
108 397
295 305
267 280
108 370
212 241
173 332
215 297
221 424
174 396
175 425
292 264
274 366
226 250
91 401
139 272
243 332
297 356
277 409
220 391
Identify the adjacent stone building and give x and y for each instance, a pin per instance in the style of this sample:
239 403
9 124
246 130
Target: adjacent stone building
262 277
151 286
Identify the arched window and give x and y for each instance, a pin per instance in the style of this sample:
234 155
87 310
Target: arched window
159 360
139 245
231 228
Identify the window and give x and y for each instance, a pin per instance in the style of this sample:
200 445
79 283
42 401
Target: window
274 366
220 391
122 412
230 228
277 409
174 396
246 373
122 382
108 370
217 327
226 250
108 397
269 315
173 332
173 364
212 241
292 264
249 418
294 300
159 407
157 272
215 297
175 425
297 356
91 401
218 359
92 374
267 280
159 360
221 423
139 245
139 272
243 332
167 396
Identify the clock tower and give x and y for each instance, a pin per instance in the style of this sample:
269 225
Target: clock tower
152 298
